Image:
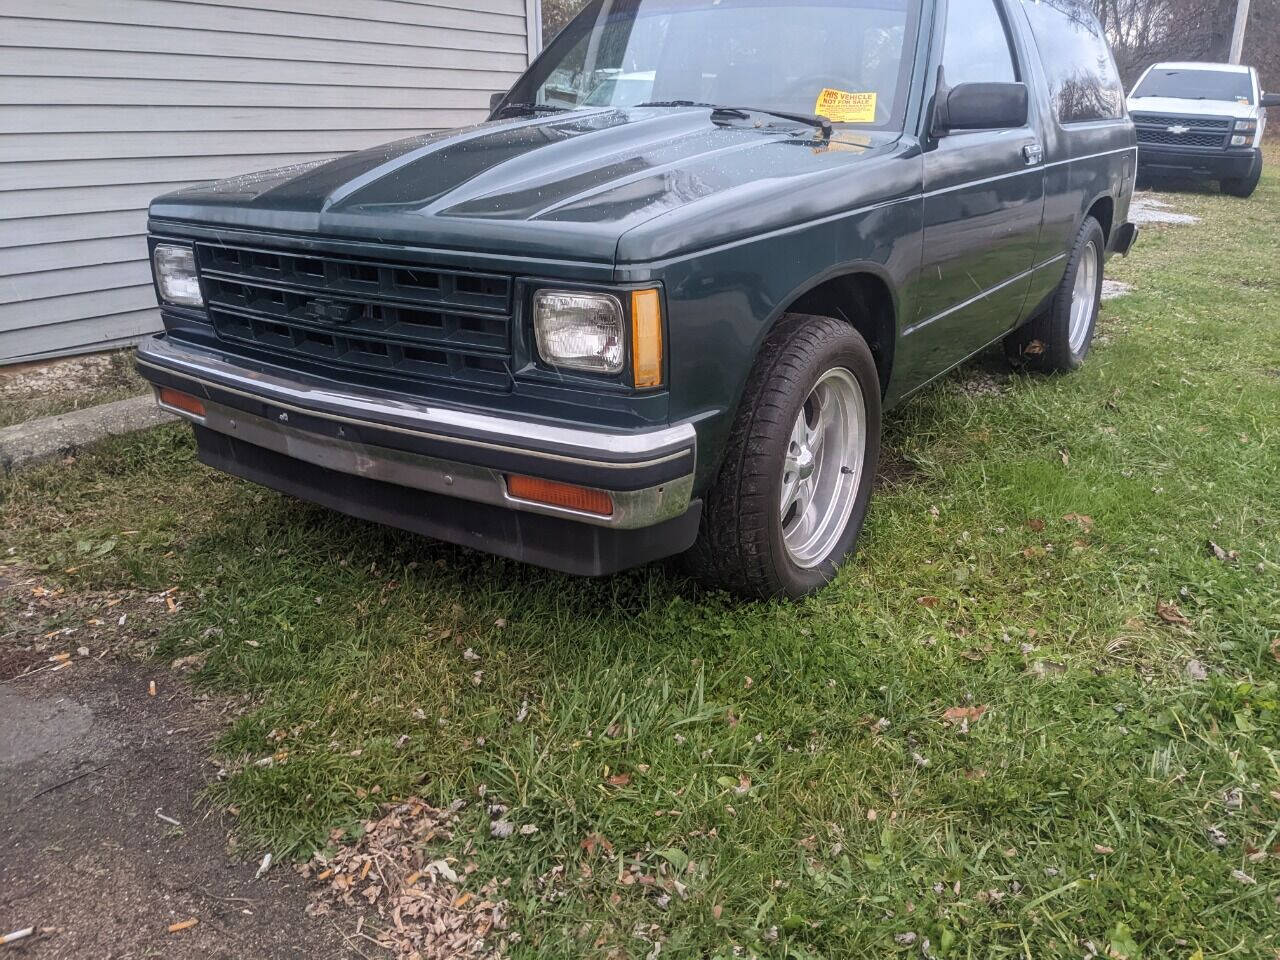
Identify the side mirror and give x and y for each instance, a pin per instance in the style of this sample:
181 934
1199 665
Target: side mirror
495 99
980 106
1270 100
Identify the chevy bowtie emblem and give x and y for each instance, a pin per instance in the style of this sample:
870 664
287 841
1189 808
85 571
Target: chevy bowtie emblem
334 311
1178 129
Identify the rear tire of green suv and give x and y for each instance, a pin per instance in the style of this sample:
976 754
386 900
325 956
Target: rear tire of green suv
1243 186
799 465
1058 339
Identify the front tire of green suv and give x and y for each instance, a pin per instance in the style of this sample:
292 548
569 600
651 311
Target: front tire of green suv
793 488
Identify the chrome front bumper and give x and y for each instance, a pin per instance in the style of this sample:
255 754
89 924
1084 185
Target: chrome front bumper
421 446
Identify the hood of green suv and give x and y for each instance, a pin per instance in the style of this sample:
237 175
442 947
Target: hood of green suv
579 187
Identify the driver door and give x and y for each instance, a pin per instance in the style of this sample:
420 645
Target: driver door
983 203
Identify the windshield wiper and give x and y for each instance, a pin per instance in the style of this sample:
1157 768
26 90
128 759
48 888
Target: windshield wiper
742 113
808 119
530 108
677 103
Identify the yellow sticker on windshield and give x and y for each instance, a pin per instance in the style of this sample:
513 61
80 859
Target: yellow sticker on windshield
840 106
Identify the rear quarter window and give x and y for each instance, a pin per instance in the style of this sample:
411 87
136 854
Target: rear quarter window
1083 81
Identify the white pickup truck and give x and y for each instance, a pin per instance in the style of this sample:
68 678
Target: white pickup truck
1201 120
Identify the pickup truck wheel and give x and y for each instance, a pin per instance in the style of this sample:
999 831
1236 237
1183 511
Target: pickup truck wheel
1243 186
788 504
1059 338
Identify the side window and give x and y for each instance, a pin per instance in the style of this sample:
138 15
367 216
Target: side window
975 47
1083 80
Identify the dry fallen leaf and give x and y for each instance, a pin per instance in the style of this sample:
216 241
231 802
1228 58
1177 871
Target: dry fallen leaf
1084 521
1036 524
183 925
1226 556
958 714
927 601
1168 612
1102 848
619 780
1047 668
593 842
961 717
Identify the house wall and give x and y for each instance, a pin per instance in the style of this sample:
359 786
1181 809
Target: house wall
105 104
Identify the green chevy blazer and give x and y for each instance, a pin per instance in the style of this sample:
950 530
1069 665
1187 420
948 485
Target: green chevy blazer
659 302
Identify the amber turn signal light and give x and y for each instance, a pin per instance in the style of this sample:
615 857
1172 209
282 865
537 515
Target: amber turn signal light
554 494
646 338
181 401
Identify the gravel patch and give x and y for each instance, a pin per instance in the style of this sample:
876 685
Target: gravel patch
1146 208
1114 288
31 390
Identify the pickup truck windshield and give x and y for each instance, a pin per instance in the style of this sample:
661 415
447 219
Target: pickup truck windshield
1197 85
841 60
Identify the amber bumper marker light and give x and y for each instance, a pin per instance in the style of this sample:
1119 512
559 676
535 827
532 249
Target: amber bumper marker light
646 338
567 495
181 401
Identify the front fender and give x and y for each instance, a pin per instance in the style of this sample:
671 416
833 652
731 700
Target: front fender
723 302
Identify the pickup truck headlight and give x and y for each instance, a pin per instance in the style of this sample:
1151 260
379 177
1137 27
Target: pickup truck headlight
176 278
580 331
1246 126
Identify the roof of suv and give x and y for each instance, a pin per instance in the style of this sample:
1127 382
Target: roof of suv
1200 65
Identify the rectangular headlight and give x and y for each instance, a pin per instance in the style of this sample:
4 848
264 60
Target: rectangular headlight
1239 140
580 331
176 278
1246 126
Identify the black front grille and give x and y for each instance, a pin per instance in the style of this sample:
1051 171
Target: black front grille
1202 123
1150 135
352 314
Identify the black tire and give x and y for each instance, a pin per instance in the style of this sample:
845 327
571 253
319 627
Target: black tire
1243 186
740 546
1044 342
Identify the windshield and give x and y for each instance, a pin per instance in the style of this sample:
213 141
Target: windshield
1197 85
842 59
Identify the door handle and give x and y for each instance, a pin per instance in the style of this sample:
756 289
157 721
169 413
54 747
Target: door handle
1032 153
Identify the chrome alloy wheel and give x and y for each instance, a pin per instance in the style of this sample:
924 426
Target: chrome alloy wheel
822 470
1083 298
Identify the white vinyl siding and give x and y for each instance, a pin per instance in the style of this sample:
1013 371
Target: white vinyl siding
105 104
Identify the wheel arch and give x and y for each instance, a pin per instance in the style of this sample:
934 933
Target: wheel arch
860 295
1103 209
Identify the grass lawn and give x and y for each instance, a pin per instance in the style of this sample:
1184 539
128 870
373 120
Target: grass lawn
1040 559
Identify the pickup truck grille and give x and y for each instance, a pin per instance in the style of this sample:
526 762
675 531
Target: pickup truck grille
1201 123
1181 139
353 314
1193 131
